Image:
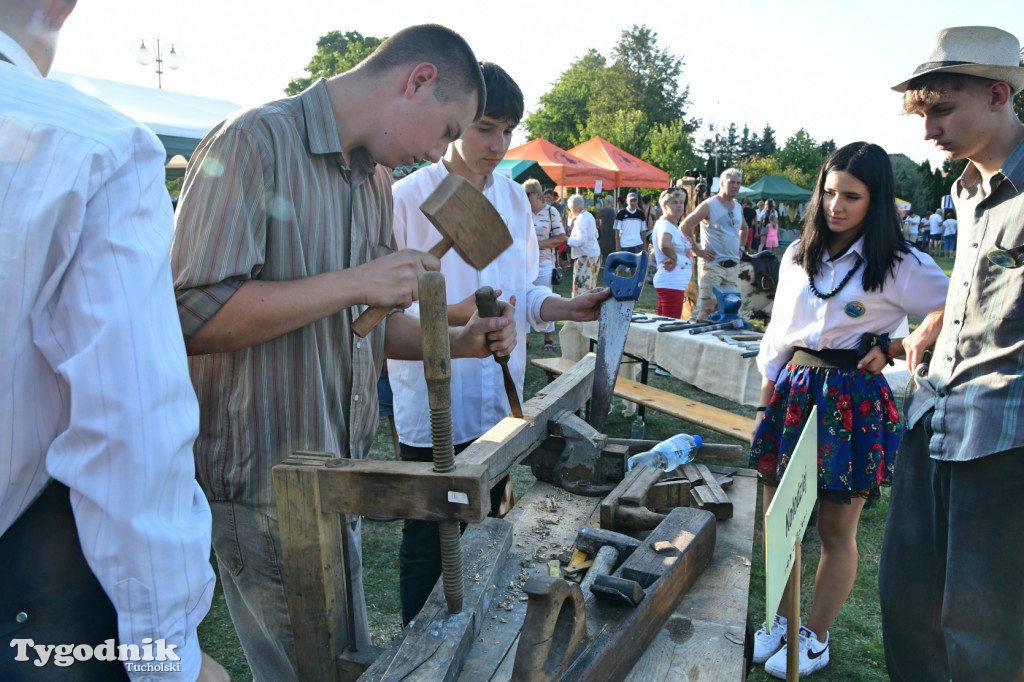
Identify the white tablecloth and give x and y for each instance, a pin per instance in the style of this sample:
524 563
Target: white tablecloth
701 360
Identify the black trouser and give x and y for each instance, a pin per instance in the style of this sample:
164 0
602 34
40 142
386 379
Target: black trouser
951 579
49 594
419 557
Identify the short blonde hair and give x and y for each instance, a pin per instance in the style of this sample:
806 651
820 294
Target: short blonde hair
532 185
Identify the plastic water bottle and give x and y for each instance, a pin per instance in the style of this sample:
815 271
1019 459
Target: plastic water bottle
668 454
636 431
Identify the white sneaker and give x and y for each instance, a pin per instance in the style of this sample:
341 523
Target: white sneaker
813 656
767 644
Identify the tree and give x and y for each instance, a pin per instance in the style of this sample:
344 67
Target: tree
562 115
652 73
911 182
756 167
624 101
670 148
768 145
827 148
335 53
801 152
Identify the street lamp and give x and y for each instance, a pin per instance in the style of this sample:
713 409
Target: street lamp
145 56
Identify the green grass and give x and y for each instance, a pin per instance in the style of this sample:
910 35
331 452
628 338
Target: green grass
856 650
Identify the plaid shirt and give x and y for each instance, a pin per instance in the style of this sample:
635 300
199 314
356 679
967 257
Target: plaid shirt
285 207
975 382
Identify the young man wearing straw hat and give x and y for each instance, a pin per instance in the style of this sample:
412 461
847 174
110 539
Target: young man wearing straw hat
952 558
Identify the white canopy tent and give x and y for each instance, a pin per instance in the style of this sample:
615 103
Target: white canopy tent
179 120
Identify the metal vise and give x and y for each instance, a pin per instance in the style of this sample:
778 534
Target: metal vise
577 457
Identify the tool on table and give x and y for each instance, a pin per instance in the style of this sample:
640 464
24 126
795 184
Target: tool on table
729 301
467 221
679 325
731 324
625 274
487 306
437 369
643 318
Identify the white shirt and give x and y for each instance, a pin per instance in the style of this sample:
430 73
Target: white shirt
584 236
95 385
478 394
912 224
680 276
801 319
935 223
948 227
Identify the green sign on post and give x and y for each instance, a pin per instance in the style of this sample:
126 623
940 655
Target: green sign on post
786 519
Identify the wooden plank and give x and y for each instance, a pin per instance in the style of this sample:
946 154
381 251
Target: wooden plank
703 640
680 530
511 440
405 490
312 546
609 657
674 493
709 494
434 645
706 416
546 521
636 494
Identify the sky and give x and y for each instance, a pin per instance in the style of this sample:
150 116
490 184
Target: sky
823 66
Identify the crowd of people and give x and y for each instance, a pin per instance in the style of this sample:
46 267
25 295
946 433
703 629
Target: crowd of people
150 396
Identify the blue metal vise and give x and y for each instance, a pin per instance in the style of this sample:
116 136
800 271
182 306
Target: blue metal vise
729 301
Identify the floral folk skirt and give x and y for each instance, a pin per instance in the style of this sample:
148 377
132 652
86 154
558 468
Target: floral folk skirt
858 426
584 274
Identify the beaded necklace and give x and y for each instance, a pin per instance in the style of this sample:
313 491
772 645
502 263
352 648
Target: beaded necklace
849 276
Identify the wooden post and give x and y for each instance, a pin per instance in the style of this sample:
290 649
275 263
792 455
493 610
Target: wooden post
793 624
312 544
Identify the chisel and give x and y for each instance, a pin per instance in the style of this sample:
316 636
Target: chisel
487 306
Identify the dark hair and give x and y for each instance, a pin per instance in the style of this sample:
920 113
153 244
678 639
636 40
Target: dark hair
504 98
458 72
883 235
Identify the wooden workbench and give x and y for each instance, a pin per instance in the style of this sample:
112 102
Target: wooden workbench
702 640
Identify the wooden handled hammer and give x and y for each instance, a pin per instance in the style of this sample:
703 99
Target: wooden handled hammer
467 221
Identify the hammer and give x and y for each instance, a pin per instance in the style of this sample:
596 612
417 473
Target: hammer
467 221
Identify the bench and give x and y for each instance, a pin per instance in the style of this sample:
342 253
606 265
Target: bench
706 416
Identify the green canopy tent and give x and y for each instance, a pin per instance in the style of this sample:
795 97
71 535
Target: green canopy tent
775 187
519 170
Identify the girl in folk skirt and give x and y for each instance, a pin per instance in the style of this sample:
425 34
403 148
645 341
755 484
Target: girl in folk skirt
848 283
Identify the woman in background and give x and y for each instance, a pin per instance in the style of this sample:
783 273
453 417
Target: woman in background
673 253
585 249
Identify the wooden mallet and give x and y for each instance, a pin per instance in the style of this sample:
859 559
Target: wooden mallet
467 221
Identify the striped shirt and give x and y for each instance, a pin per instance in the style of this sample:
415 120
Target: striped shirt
268 196
975 382
95 382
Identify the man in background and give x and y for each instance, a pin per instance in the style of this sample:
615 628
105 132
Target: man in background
630 226
104 533
722 232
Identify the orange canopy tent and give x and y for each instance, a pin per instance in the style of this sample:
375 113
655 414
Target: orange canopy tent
562 167
629 170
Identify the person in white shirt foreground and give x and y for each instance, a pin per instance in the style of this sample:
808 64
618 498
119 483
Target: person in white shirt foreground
478 396
104 533
849 282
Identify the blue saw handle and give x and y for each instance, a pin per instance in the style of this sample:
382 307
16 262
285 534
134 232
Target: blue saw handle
625 274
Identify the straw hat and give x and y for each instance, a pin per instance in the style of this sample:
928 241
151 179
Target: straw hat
982 51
